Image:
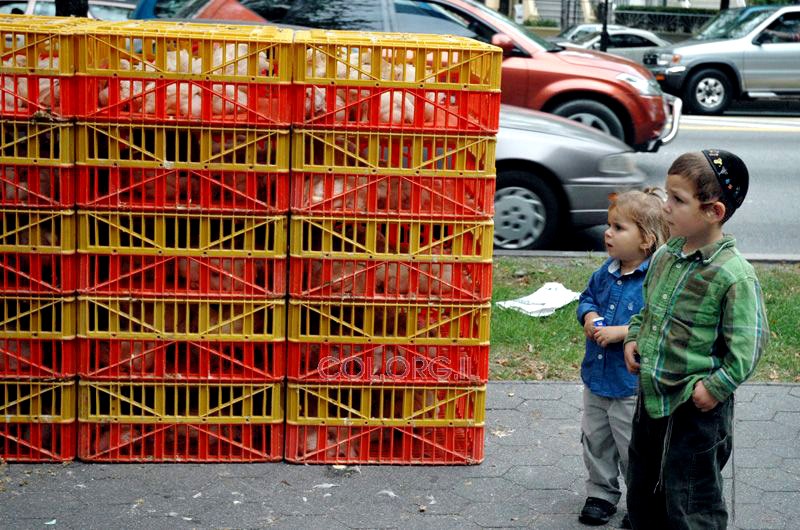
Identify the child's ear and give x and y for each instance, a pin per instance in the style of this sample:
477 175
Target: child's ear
716 212
647 243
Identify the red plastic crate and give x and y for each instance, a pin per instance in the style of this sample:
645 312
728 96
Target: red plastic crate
390 364
393 195
190 100
388 280
38 273
38 442
37 186
115 274
102 188
320 444
185 442
381 107
111 359
37 358
27 96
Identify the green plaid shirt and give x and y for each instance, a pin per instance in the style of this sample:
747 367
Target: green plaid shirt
703 319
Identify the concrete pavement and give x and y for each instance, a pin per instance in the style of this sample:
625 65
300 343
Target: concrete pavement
532 477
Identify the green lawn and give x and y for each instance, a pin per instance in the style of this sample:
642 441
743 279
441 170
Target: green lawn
552 347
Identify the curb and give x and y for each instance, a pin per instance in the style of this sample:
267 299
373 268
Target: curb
752 258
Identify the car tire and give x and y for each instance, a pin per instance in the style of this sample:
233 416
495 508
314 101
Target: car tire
708 92
594 114
527 212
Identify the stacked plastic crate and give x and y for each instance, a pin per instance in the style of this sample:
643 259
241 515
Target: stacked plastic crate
38 358
183 158
390 247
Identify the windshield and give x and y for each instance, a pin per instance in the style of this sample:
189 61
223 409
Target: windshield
492 14
733 23
587 38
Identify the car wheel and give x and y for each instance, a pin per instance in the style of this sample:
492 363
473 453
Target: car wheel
526 212
594 114
708 92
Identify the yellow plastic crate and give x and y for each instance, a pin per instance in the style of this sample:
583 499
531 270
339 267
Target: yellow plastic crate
397 406
37 317
120 317
38 45
413 322
181 50
395 59
399 153
182 147
36 143
396 239
179 234
45 231
216 403
37 401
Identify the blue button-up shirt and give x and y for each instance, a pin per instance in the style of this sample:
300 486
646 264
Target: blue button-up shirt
616 297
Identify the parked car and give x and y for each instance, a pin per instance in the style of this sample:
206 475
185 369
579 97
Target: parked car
220 10
630 43
99 9
747 53
554 175
612 94
578 31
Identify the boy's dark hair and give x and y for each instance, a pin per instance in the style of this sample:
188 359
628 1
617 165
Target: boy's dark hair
708 178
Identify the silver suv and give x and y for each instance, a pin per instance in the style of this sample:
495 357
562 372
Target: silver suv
747 53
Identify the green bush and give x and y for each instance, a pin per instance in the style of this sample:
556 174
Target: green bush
542 22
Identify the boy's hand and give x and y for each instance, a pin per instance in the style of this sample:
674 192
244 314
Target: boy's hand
606 335
588 327
631 350
702 398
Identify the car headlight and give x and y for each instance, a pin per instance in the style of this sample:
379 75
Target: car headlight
646 87
619 164
666 59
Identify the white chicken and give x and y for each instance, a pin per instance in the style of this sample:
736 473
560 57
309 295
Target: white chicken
229 100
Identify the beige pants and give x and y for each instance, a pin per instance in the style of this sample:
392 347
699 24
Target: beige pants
605 435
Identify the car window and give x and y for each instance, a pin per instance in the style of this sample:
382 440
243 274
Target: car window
425 17
17 8
785 29
733 23
633 41
46 9
367 15
110 12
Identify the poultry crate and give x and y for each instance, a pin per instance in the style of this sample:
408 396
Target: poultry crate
396 364
387 195
190 101
322 444
203 361
38 442
28 186
181 276
123 317
181 234
33 230
169 146
40 45
180 442
412 322
392 238
38 358
26 401
399 153
179 403
390 280
32 317
33 95
152 49
39 274
393 108
36 143
343 404
141 189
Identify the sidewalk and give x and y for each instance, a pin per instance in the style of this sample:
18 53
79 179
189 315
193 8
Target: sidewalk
532 476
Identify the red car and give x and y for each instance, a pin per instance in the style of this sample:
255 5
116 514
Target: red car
615 95
196 9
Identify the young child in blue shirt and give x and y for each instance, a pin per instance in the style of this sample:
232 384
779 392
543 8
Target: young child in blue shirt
636 228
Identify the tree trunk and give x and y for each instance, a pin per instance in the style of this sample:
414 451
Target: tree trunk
72 8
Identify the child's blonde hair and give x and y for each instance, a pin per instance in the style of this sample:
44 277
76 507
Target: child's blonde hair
645 210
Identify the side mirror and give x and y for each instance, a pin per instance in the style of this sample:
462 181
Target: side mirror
503 41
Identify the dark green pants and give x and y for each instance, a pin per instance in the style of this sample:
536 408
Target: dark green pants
685 490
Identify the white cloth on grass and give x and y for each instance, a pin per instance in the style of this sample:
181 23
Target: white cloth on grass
543 302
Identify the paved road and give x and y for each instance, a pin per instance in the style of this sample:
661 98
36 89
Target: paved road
532 477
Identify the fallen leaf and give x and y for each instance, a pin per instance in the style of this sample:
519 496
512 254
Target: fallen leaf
502 433
773 375
388 493
431 499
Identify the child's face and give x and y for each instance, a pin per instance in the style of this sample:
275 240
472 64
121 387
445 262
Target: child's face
684 212
624 240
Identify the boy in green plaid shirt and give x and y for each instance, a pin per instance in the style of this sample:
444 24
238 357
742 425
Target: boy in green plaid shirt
699 336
